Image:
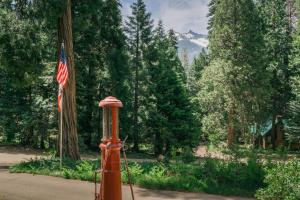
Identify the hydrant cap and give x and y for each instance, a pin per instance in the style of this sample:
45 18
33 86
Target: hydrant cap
110 102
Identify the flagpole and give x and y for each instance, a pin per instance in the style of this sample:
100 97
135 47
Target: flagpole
61 127
62 77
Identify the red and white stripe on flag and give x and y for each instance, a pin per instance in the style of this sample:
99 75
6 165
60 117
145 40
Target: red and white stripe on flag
62 75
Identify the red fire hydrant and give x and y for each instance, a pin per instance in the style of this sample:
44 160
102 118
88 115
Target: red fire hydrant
110 187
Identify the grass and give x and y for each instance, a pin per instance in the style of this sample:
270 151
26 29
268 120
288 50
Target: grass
205 175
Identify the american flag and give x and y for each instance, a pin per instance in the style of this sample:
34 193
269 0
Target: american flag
62 75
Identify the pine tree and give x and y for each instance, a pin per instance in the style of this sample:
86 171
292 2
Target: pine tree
236 42
102 62
185 60
89 59
20 70
194 75
293 130
169 109
184 127
117 59
277 36
138 29
181 68
212 9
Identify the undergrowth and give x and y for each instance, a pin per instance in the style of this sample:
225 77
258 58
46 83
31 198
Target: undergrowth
205 175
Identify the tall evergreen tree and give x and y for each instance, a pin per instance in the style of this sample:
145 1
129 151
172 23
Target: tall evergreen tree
102 61
196 69
293 131
277 36
138 28
169 119
185 60
181 68
20 70
195 73
117 59
236 41
212 9
89 61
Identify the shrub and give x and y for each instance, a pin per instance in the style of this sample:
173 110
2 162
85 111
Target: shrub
188 155
283 182
135 171
206 175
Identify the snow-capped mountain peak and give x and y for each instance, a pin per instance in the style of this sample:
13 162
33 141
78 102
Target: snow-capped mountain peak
191 42
193 37
190 35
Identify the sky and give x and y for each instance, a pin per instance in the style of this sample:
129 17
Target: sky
180 15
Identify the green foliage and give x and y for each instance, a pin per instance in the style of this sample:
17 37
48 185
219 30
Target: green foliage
135 172
212 9
277 31
214 99
26 76
187 155
82 170
293 130
170 113
101 59
206 175
108 61
195 72
138 31
236 83
282 182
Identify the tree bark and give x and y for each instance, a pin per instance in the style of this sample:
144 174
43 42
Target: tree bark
43 133
273 131
230 132
158 145
70 139
89 111
230 136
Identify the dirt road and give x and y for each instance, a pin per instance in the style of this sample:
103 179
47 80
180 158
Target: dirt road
13 155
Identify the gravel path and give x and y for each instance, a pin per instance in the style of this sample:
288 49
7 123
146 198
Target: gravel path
13 155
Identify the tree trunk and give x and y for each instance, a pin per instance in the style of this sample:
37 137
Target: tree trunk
273 132
230 133
70 140
89 110
292 14
230 136
43 133
158 145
